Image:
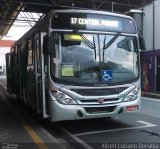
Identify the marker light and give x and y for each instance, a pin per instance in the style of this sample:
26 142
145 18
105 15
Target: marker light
131 108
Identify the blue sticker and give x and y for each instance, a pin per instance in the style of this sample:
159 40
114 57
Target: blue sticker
107 75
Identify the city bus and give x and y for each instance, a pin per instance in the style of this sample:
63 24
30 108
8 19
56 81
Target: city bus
77 64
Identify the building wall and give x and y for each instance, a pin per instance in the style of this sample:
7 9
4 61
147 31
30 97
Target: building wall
148 26
151 34
157 24
151 25
5 46
3 51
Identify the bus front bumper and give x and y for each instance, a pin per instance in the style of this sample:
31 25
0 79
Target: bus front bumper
60 112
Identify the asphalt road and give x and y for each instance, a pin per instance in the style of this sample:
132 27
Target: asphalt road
3 80
140 130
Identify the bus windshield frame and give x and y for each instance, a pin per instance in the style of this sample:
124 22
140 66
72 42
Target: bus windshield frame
65 71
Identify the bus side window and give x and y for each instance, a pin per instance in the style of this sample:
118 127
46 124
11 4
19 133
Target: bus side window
37 47
30 53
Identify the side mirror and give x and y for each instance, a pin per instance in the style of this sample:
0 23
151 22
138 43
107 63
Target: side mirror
46 50
142 43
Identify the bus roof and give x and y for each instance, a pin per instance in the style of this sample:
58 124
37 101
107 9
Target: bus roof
91 12
73 11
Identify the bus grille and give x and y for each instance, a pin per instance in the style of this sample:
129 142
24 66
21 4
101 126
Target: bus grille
93 110
99 92
95 100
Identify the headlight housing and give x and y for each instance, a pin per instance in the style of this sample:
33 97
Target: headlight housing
132 95
62 97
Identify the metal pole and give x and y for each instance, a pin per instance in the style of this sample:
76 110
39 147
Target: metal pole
153 25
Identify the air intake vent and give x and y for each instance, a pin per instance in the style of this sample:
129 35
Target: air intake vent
94 110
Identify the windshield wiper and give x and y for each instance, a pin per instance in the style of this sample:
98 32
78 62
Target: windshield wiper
87 42
105 46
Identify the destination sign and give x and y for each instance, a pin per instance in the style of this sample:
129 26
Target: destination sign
95 22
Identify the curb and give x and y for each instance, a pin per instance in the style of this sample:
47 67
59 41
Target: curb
150 95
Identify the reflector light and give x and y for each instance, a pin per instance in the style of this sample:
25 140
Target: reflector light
131 108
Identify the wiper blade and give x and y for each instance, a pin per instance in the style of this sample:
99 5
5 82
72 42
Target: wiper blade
87 42
105 46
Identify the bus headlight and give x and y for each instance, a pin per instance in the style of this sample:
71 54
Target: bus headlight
62 97
132 95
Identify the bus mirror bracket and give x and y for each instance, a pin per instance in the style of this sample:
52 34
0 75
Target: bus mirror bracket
142 43
46 45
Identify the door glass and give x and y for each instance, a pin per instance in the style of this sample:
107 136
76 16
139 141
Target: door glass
38 51
30 53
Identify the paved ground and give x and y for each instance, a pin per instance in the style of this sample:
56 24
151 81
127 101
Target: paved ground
140 130
3 80
18 129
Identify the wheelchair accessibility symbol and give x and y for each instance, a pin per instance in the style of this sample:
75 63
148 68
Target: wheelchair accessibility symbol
106 75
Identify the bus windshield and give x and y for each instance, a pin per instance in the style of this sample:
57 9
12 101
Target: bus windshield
94 58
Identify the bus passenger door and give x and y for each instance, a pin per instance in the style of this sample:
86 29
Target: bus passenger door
30 77
40 75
